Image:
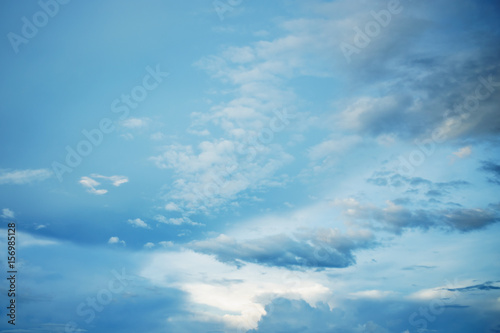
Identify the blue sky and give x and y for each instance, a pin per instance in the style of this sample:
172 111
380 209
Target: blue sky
247 166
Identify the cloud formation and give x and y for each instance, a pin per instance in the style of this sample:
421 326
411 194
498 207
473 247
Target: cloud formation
138 223
7 213
20 177
91 183
322 248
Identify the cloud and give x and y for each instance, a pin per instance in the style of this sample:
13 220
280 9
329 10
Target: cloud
218 171
371 294
172 207
26 240
91 183
320 248
463 152
139 223
149 245
396 218
157 136
176 220
415 184
116 240
493 169
134 123
20 177
238 296
483 286
7 214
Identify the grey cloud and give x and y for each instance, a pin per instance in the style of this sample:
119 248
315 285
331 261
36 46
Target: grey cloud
322 248
415 184
483 286
470 219
417 267
396 219
493 169
429 84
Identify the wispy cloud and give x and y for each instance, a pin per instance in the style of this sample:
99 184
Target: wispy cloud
134 123
91 183
7 213
463 152
20 177
176 220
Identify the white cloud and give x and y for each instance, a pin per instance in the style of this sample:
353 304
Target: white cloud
139 223
372 294
463 152
115 180
218 171
135 122
149 245
19 177
172 207
176 220
27 240
91 185
166 243
240 294
331 147
157 136
116 240
7 213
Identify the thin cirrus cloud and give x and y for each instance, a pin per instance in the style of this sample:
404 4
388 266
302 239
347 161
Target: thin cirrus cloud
7 213
20 177
176 220
91 184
